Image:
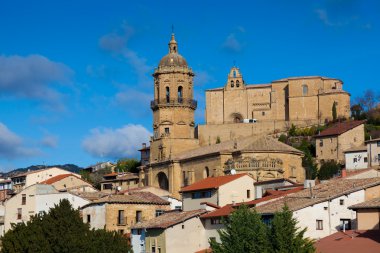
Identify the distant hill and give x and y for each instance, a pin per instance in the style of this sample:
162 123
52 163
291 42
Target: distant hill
69 167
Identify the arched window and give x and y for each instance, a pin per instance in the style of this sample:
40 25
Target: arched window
167 94
305 90
180 97
237 83
232 83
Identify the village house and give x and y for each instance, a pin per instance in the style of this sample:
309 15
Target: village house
356 158
374 152
367 214
218 191
36 199
173 232
120 212
323 209
333 141
99 166
69 182
262 187
29 178
119 181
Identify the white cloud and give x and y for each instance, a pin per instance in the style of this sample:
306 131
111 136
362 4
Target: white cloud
34 77
116 143
12 146
50 141
117 43
232 44
126 98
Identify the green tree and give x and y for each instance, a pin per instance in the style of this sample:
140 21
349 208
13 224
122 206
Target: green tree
128 165
328 170
286 237
292 131
217 140
334 113
60 230
244 233
308 161
283 138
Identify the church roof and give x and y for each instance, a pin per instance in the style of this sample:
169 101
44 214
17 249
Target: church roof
173 59
254 143
305 77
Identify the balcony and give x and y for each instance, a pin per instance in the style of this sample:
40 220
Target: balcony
155 104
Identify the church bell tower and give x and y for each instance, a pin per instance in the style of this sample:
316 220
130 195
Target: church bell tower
173 106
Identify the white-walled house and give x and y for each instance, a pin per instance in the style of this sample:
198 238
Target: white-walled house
219 191
29 178
356 158
323 210
373 152
36 199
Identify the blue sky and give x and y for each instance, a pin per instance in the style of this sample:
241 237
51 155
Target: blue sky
75 76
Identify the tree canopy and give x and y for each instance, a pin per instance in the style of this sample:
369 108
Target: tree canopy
58 231
328 170
246 232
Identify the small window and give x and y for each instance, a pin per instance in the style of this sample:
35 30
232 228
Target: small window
237 83
321 143
167 130
23 200
153 249
305 90
345 224
319 224
159 212
183 226
378 157
378 143
138 216
341 202
88 218
139 231
248 194
121 231
232 83
19 213
365 159
121 218
355 160
167 95
263 113
216 221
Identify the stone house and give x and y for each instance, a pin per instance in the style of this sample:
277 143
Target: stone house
218 191
120 212
70 182
29 178
374 152
333 141
324 209
172 232
119 181
35 199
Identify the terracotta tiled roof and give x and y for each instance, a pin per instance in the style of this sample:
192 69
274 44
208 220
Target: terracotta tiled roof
253 143
169 219
322 192
58 178
228 209
278 180
90 195
340 128
132 198
112 174
211 183
373 203
204 251
350 241
355 149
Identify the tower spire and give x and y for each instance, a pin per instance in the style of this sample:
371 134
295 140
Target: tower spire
173 46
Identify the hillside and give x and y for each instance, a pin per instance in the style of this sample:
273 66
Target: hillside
69 167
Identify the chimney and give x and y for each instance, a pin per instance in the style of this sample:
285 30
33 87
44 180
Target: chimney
144 145
344 173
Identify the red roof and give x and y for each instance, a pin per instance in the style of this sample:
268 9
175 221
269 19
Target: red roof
365 241
112 174
340 128
204 251
228 209
58 178
211 183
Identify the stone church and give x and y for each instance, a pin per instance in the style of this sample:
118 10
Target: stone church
239 118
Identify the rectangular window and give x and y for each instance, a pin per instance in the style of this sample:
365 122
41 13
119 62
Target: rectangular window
321 143
248 194
200 195
153 249
365 159
107 186
378 143
319 224
88 218
263 113
23 200
216 221
167 131
378 157
159 212
355 160
138 216
19 213
120 217
341 202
